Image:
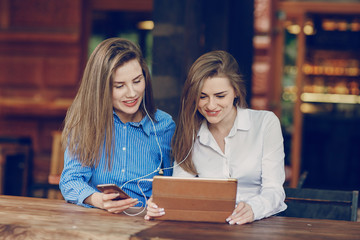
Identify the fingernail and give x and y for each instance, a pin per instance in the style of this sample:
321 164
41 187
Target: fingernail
238 223
162 213
228 219
231 222
155 206
146 217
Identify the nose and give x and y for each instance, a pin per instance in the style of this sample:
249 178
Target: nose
211 103
131 91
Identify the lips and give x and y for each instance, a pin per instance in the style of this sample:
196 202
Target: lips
212 113
131 103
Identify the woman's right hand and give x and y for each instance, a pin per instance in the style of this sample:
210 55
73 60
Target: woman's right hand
153 211
105 201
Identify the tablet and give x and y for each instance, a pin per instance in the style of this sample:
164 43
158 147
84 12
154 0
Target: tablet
195 199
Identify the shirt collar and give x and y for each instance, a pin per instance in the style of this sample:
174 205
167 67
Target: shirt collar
242 121
204 133
145 123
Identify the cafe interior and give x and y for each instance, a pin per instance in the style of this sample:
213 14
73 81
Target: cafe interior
299 58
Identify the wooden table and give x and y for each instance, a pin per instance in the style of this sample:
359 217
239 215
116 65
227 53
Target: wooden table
36 218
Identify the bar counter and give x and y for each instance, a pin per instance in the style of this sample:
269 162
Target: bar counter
37 218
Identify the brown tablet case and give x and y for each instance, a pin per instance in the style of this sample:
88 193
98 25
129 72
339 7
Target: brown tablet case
195 199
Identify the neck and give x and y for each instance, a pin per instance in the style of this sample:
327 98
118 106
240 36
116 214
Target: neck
136 117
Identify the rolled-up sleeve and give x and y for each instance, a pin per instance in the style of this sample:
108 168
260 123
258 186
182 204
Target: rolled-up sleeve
74 181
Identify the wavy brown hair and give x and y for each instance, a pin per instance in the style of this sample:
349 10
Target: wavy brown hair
88 127
211 64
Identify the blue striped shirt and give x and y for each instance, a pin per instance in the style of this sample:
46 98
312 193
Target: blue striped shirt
136 155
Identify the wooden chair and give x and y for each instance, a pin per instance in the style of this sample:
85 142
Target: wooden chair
15 165
56 166
321 204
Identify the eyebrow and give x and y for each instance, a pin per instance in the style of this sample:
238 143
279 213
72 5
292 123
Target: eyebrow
219 93
137 77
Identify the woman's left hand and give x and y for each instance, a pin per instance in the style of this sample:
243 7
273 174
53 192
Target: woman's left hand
242 214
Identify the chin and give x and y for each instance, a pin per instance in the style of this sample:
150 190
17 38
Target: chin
212 120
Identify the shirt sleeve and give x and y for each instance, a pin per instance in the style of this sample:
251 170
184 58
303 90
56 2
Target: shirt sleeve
74 181
271 198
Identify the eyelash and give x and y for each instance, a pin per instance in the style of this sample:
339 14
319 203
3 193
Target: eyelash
135 82
219 96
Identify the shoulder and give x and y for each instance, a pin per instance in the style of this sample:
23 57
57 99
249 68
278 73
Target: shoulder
163 116
164 120
262 115
263 118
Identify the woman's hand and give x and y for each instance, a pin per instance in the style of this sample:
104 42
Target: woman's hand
153 210
242 214
105 201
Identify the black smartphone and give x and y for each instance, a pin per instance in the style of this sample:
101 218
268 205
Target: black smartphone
113 188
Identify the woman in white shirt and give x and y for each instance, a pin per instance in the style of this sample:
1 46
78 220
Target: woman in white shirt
224 139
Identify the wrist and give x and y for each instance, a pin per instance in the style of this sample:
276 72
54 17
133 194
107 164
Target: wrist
95 200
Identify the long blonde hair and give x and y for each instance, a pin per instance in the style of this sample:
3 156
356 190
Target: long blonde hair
88 128
211 64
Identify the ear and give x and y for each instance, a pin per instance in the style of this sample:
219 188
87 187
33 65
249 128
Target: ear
236 100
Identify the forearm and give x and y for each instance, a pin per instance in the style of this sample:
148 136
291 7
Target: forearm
267 203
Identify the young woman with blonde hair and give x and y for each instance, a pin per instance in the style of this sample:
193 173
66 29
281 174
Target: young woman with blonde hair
113 133
218 137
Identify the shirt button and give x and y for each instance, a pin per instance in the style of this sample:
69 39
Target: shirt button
124 148
122 170
124 127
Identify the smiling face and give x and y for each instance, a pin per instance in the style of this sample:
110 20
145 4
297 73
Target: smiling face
128 91
216 101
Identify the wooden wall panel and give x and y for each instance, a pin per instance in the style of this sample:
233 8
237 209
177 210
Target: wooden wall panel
61 71
45 14
42 50
263 82
20 71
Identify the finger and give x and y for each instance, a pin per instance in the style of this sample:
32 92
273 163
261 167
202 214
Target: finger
244 220
119 209
242 214
151 204
238 208
153 208
154 214
155 211
110 196
158 213
120 203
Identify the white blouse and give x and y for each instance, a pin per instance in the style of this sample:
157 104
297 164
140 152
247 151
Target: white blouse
254 155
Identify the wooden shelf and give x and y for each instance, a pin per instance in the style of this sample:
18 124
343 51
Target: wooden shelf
330 98
59 37
34 106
